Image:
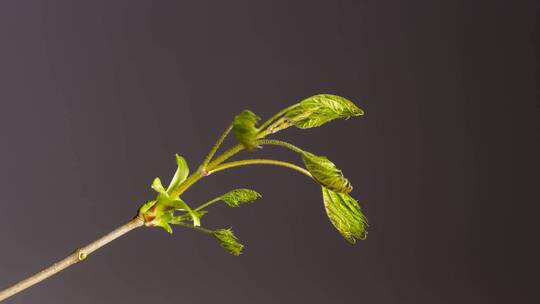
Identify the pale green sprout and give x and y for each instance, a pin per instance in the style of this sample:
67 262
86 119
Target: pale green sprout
168 208
343 211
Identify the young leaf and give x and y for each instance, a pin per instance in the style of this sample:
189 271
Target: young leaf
166 226
163 222
326 173
228 241
158 186
164 203
237 197
181 173
320 109
245 128
345 214
178 204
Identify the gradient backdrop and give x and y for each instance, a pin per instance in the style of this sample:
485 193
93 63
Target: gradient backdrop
97 96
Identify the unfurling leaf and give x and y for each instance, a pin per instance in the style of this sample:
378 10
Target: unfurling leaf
163 221
178 204
160 211
345 214
245 128
326 173
241 196
320 109
181 173
158 186
228 241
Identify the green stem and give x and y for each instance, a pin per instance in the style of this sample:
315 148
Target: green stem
216 147
203 168
278 125
217 199
281 143
211 166
196 176
226 155
273 118
187 216
247 162
192 179
197 228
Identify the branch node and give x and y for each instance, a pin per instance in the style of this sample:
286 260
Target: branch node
81 254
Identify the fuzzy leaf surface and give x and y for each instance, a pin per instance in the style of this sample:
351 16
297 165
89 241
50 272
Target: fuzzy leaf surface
317 110
237 197
345 214
245 128
228 241
326 173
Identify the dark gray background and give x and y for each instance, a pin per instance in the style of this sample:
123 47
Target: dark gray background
97 96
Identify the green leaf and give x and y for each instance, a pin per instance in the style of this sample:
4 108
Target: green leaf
326 173
245 128
181 173
166 226
237 197
195 217
164 203
158 186
179 204
345 214
320 109
228 241
163 221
